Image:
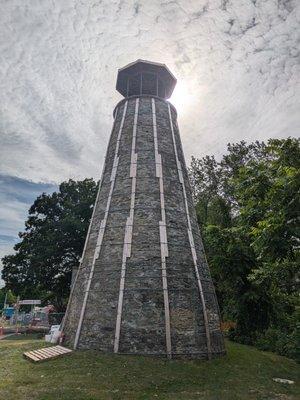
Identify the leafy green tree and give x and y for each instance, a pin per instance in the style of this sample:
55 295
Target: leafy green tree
233 260
248 207
51 244
268 192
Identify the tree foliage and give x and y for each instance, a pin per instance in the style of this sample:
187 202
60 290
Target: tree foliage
51 244
248 207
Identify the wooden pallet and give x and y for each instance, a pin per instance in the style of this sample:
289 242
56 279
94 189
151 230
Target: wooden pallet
46 353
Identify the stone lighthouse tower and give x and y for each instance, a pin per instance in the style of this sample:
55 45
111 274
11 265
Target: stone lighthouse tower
143 285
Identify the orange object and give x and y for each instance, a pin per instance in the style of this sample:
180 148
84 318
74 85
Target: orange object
226 325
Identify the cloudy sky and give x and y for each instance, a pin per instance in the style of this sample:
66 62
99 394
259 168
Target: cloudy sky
236 61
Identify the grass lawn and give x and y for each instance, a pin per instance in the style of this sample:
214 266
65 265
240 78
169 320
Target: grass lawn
245 373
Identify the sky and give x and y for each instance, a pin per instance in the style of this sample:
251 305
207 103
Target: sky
236 63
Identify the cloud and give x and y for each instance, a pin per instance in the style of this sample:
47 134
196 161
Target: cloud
16 197
238 61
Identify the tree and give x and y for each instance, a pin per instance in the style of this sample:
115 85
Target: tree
51 244
268 192
248 207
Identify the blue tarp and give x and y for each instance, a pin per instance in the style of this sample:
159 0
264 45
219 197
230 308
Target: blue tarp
8 312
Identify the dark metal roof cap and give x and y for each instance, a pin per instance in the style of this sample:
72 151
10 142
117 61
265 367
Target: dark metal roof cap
139 66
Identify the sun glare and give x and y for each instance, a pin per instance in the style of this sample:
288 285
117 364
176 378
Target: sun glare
182 97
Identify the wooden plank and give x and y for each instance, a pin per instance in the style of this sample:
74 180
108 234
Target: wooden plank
36 354
51 350
55 353
64 349
40 352
31 357
46 353
60 348
57 350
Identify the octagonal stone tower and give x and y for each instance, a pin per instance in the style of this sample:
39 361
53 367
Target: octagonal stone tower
143 285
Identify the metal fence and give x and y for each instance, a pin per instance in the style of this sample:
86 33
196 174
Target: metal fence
36 319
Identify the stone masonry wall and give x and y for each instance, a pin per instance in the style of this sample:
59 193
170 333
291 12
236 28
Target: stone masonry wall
144 286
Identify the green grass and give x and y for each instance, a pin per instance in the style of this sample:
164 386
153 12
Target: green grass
245 373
